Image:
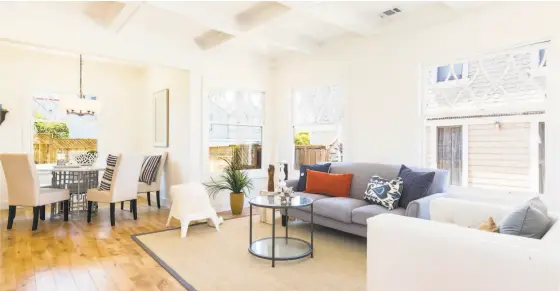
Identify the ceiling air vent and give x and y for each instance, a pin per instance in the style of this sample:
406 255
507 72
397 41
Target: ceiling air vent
390 12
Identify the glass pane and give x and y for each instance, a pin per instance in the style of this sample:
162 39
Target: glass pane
449 152
229 140
542 61
442 73
237 107
59 135
320 105
316 144
498 82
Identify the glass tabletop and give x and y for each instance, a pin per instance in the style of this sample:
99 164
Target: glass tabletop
275 201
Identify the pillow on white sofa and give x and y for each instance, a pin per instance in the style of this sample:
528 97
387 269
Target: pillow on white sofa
530 220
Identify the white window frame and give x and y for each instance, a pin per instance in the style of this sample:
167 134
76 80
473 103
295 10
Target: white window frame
534 150
253 173
336 125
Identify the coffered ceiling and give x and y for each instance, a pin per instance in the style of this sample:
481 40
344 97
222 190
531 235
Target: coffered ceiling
268 28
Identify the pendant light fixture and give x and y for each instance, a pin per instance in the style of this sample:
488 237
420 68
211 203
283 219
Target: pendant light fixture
81 106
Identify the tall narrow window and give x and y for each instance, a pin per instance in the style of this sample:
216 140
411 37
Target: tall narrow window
236 124
317 123
449 152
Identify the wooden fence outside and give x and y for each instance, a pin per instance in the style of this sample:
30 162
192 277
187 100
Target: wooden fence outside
45 147
310 155
251 152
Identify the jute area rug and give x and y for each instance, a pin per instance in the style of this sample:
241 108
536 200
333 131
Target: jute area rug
211 260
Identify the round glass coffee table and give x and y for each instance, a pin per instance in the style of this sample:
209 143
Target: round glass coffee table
280 248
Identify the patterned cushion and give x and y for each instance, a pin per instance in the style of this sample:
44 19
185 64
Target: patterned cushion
383 192
107 179
148 172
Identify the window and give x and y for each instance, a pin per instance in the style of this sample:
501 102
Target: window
450 152
489 132
317 123
451 72
236 124
542 57
58 135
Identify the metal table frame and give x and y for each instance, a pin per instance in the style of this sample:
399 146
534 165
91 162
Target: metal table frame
273 257
78 181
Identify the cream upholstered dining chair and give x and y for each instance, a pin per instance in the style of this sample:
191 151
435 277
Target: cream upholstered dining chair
119 183
152 167
24 190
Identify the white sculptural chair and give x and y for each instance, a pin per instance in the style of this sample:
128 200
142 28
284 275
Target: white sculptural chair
124 186
191 202
24 190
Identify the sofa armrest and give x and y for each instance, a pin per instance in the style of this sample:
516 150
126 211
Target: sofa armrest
293 184
467 213
405 254
420 208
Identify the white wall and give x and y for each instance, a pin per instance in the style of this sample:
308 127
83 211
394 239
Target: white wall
381 78
243 72
27 72
125 90
177 81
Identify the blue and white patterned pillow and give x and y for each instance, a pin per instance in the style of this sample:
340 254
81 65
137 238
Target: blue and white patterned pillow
383 192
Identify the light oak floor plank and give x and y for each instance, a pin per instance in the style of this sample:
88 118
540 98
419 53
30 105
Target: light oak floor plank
75 255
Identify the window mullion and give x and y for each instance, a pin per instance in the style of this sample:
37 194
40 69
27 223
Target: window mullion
465 155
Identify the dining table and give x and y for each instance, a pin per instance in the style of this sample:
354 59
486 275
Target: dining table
76 178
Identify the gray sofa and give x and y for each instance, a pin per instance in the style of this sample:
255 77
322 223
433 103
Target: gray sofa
349 214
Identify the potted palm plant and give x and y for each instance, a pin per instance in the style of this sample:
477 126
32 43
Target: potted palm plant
234 179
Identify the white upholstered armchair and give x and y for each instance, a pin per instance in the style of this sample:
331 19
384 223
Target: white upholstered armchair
123 185
24 190
449 253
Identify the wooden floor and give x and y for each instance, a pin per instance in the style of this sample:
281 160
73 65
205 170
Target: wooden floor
75 255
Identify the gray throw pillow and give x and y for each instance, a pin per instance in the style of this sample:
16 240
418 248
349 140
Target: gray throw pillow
530 220
415 185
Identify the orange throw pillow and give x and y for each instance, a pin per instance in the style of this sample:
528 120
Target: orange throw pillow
329 184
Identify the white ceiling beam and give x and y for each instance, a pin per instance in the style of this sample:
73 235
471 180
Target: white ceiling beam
232 27
328 12
112 15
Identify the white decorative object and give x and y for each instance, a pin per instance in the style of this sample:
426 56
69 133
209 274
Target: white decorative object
266 213
191 202
87 159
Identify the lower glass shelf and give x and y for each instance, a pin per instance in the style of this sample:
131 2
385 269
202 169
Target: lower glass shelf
284 248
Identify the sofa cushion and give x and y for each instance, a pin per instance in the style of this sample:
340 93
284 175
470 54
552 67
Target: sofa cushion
363 172
529 220
330 184
337 208
312 196
361 214
415 185
303 173
384 192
